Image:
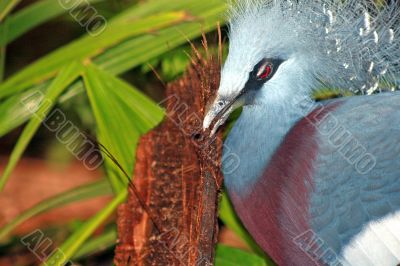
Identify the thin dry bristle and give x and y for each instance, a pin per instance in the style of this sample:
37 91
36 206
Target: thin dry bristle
195 50
192 60
131 184
205 44
219 43
145 208
158 76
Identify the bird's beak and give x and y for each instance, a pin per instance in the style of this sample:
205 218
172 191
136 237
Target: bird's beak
219 112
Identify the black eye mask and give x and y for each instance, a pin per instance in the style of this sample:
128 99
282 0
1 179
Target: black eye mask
262 73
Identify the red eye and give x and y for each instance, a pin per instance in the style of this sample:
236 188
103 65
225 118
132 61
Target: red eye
265 71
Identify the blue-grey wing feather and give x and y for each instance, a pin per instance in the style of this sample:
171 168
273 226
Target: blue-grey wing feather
346 195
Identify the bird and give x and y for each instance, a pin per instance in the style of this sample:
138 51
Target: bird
314 181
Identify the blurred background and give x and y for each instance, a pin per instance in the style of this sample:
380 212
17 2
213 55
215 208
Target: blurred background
72 55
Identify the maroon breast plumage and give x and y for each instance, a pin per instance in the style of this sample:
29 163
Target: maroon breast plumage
275 211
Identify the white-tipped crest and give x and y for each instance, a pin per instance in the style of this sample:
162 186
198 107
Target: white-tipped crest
344 44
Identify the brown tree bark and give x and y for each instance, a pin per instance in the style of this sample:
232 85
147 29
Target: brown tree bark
178 177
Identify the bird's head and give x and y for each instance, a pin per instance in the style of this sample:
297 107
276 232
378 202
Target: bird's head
282 49
263 63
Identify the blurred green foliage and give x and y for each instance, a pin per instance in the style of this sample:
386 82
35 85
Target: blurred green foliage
92 78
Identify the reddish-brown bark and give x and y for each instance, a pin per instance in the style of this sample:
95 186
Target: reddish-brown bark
178 176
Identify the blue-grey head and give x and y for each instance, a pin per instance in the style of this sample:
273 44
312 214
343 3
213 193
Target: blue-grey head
281 50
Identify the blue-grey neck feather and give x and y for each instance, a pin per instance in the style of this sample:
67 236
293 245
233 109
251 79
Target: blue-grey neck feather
256 136
340 44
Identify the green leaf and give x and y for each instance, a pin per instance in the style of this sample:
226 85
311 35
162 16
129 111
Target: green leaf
33 16
136 51
122 114
4 33
322 94
144 48
13 111
6 6
93 190
228 256
85 48
75 241
141 49
67 75
106 240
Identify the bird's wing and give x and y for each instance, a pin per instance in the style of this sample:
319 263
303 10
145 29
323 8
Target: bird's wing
355 203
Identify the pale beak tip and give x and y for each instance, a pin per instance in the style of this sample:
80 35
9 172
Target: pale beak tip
213 131
207 121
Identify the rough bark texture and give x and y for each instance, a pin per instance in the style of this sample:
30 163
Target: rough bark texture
178 176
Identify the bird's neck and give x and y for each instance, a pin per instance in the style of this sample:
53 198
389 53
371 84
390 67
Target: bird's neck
256 136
